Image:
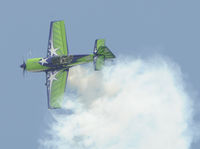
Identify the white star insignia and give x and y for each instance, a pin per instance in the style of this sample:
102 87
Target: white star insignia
52 77
43 61
52 49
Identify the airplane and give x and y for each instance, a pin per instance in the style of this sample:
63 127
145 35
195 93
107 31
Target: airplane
58 61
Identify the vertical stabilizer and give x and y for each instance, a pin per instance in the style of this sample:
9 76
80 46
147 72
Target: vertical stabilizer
101 52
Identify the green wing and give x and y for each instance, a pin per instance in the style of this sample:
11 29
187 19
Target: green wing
56 83
57 39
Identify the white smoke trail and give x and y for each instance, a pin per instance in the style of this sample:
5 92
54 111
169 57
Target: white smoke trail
134 104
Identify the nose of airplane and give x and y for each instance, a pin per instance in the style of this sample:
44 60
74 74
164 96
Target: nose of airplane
23 65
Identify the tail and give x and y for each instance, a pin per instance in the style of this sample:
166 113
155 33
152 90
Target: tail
101 53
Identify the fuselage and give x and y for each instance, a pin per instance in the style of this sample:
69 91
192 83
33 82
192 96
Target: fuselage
55 62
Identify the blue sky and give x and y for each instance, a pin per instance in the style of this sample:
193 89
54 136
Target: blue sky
138 28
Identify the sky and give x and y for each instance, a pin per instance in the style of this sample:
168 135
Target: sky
136 28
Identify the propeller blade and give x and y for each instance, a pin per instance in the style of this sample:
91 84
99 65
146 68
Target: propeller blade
23 66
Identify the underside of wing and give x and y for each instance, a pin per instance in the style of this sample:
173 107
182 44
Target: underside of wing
56 84
57 39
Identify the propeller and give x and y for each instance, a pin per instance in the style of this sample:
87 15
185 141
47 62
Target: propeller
23 66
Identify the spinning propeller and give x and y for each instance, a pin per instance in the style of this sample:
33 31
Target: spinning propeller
23 66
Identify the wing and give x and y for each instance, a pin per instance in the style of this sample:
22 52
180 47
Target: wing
57 39
56 83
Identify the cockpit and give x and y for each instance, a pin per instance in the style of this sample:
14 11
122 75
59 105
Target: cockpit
62 60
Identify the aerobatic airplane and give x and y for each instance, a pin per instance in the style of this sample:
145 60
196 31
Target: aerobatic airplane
58 61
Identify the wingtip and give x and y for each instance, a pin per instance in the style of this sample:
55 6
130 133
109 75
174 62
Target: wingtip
57 21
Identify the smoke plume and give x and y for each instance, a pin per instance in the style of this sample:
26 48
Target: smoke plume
132 104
